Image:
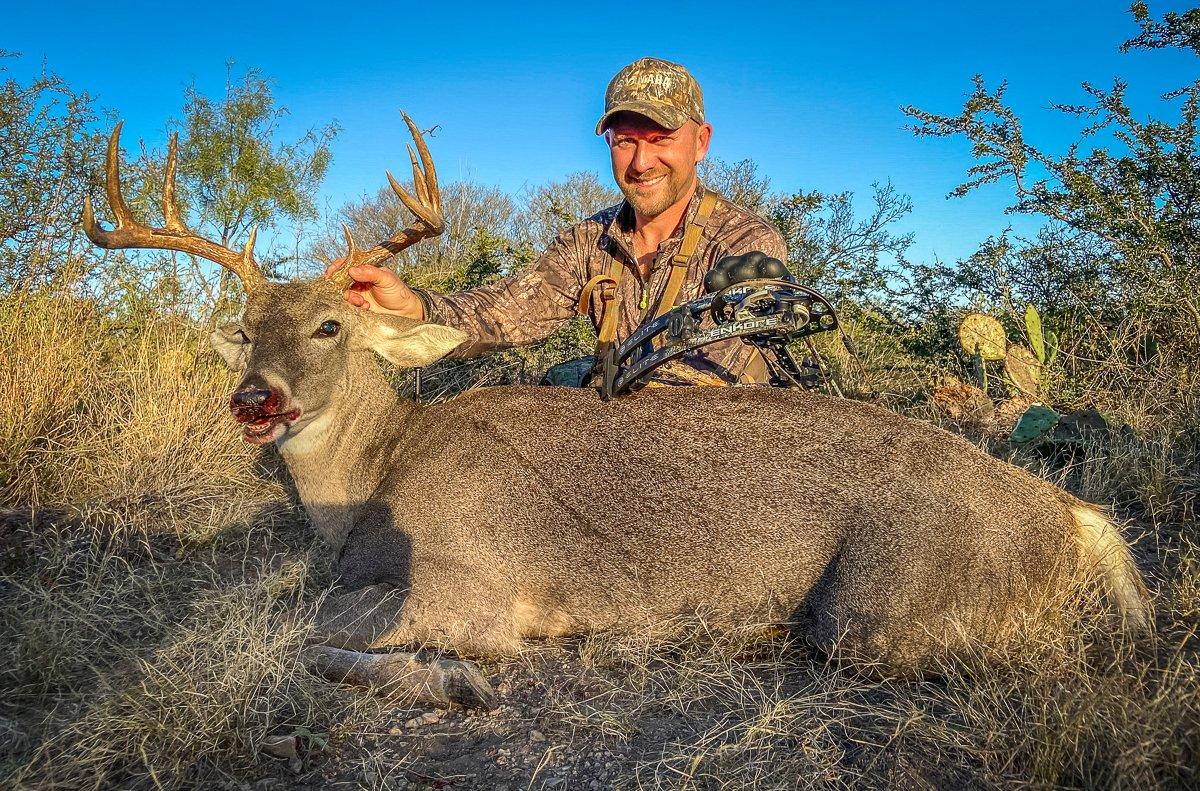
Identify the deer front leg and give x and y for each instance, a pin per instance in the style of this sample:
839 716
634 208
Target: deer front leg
378 616
439 681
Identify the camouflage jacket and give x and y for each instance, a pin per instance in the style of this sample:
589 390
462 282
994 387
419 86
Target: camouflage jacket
529 306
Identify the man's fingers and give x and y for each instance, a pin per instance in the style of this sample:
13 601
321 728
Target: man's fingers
333 265
366 277
378 289
373 275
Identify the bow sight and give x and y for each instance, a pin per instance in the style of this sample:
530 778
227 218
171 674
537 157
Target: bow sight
766 312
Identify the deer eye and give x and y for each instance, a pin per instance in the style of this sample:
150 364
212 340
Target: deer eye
327 329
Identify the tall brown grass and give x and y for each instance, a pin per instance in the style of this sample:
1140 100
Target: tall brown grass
97 409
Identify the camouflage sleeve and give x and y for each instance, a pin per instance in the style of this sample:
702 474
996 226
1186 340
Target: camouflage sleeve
771 243
520 309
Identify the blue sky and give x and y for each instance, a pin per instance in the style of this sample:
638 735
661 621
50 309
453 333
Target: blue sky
811 91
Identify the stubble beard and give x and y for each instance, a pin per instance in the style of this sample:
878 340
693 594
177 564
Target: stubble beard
650 206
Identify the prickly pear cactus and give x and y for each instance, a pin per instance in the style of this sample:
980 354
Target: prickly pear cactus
982 334
1023 369
980 369
1036 421
1033 330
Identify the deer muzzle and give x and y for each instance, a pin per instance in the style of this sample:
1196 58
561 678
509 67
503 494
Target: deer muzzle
262 412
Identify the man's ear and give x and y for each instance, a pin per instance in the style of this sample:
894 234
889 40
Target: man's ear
703 139
231 342
414 345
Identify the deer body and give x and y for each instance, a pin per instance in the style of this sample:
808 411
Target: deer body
516 512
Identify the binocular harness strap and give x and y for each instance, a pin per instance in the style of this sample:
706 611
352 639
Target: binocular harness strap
687 248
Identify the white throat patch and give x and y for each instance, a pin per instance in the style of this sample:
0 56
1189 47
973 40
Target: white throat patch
308 438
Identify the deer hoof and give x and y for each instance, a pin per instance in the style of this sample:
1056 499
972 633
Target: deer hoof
463 683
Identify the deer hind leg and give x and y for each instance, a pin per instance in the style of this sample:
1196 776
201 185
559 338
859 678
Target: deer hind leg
885 616
904 614
350 625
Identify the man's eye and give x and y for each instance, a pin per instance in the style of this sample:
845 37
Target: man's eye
327 329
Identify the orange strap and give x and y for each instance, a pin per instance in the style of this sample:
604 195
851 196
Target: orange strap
687 248
609 284
610 301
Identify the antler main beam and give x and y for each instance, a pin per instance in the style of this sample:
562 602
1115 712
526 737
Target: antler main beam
129 234
426 205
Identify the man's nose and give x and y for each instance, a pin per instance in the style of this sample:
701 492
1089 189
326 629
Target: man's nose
643 158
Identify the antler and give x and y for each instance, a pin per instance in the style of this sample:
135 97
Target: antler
427 205
130 234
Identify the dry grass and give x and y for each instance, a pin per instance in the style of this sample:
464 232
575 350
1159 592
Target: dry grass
151 560
94 411
151 673
1085 711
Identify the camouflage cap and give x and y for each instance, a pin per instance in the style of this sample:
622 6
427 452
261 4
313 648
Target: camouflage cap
662 91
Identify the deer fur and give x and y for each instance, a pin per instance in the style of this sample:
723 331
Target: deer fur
510 513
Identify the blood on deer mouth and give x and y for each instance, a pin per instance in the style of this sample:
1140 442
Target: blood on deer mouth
258 425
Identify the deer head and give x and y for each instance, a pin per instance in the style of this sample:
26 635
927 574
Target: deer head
295 341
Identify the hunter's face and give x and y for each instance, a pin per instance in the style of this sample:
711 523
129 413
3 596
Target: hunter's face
654 167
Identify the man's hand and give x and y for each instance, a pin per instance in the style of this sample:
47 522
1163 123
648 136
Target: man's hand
378 289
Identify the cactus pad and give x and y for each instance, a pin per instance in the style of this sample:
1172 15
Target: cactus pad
983 334
1036 421
1033 330
1023 369
964 403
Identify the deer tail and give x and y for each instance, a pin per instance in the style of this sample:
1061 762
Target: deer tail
1106 557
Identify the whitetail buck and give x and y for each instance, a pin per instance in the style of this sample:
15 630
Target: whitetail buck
521 512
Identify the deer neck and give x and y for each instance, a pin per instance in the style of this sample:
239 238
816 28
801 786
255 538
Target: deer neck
339 459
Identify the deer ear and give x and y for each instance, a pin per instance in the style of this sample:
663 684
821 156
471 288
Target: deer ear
414 346
231 342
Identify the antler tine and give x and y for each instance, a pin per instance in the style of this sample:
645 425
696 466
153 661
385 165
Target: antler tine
418 177
351 247
112 179
170 211
248 252
427 206
112 189
430 180
130 234
418 206
340 277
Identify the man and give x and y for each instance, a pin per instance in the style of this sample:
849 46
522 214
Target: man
654 125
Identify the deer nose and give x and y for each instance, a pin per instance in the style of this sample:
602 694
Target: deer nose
250 397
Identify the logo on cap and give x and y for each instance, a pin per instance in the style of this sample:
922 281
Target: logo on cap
662 91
